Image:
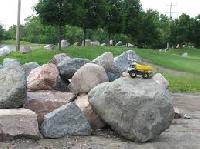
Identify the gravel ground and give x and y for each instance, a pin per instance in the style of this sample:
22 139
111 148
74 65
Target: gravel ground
183 134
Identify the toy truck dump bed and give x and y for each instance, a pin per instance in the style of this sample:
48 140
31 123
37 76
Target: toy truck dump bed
143 68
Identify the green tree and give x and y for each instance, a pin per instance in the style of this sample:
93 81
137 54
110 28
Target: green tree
164 29
156 30
36 32
148 34
131 13
1 33
182 30
57 13
90 14
73 33
173 32
114 21
11 32
196 31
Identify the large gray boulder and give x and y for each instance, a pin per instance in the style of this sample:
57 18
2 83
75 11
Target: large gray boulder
66 120
130 45
9 62
113 73
185 54
111 42
103 45
5 50
139 110
123 60
105 60
87 77
68 67
160 79
49 47
59 58
25 49
12 87
18 123
29 66
62 85
87 42
119 43
95 43
64 44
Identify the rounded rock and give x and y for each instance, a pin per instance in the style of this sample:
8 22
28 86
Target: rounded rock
139 110
87 77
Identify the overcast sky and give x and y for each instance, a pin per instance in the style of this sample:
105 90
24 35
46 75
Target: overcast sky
8 8
191 7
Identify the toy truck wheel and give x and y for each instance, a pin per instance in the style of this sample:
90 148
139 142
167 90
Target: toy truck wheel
132 74
145 75
150 75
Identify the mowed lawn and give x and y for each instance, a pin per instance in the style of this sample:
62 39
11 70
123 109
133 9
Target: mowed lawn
171 60
42 56
185 82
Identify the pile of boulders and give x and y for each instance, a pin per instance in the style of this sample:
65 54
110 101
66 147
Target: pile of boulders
74 96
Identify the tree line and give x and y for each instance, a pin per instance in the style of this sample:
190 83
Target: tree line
103 20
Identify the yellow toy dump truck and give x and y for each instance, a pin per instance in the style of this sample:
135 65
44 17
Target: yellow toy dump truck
136 69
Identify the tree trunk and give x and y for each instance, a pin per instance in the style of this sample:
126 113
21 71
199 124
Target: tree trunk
60 36
109 36
84 36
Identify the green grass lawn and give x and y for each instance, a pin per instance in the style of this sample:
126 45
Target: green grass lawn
43 56
188 82
13 42
171 59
